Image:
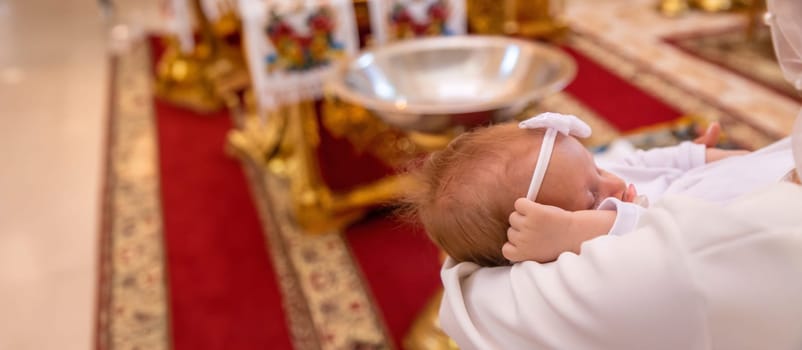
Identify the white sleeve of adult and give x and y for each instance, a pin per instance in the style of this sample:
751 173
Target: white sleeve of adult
626 218
685 156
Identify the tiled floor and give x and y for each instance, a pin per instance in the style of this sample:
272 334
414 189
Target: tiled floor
53 92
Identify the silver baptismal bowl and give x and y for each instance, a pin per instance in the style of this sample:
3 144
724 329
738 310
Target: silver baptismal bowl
432 85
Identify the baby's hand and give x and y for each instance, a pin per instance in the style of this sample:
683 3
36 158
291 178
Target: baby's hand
710 139
716 154
536 232
541 232
711 135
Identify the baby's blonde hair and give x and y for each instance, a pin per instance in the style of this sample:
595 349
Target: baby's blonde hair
465 193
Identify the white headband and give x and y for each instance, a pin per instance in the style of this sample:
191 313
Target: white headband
555 122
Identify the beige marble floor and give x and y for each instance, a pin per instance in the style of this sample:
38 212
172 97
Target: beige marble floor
53 92
52 98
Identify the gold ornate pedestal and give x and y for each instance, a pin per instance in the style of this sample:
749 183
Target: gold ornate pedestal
526 18
317 209
286 141
673 8
213 73
425 333
227 70
181 79
255 137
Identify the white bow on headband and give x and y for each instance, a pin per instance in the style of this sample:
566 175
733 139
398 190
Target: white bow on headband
554 122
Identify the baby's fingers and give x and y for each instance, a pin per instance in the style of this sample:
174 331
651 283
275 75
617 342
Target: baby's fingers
517 220
525 206
512 253
515 236
630 194
535 211
710 136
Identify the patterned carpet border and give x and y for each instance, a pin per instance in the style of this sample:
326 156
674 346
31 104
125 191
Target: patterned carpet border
757 64
742 129
327 300
132 310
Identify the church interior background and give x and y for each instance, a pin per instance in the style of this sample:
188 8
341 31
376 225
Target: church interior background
168 185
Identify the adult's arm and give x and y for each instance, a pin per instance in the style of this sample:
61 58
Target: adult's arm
692 276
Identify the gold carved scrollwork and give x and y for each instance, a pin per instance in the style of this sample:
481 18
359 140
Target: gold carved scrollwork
674 8
181 79
527 18
485 17
367 133
286 141
227 70
214 72
425 333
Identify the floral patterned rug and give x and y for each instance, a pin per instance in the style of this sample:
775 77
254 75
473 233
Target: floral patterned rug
751 56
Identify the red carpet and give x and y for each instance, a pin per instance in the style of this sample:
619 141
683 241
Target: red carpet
223 289
623 105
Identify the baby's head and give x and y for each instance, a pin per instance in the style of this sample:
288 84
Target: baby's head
466 192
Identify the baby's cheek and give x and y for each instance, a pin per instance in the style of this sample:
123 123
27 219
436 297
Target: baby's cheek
563 200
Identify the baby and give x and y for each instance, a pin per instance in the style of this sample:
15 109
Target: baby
468 190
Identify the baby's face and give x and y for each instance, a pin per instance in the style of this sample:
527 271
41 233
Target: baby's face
573 181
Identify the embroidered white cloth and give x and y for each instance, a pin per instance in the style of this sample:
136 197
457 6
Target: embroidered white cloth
291 46
179 22
393 20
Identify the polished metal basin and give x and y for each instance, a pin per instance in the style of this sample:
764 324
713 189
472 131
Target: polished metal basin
432 85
